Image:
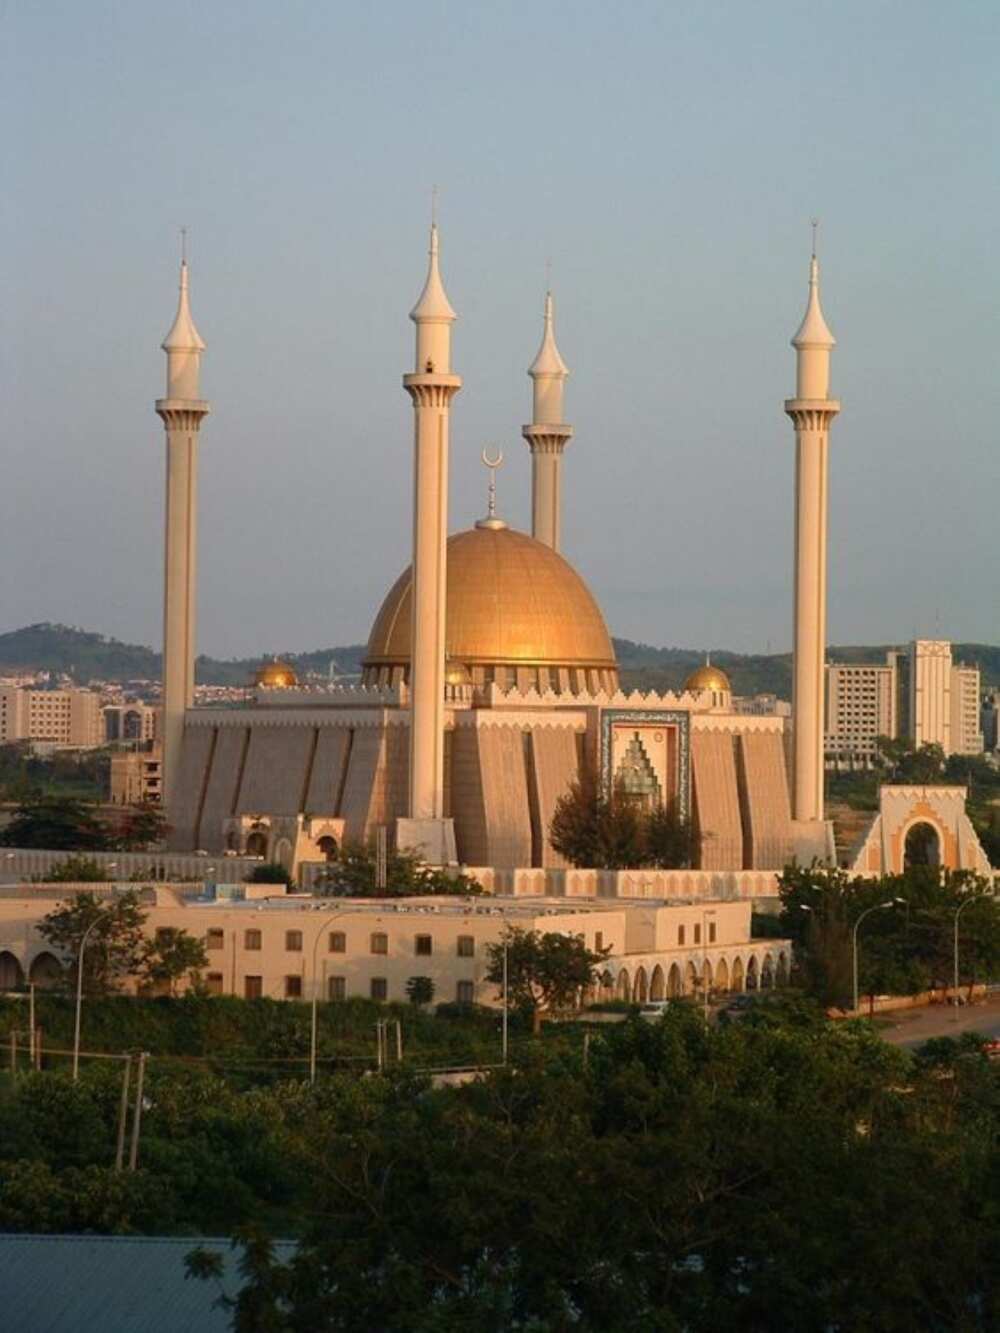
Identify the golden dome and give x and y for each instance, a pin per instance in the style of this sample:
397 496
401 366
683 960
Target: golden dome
457 674
276 675
518 614
708 677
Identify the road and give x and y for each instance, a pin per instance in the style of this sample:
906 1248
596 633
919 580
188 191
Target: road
910 1027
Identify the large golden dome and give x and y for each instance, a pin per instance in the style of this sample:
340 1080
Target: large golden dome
708 677
518 614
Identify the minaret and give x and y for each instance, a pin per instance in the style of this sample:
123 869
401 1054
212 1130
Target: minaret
547 436
432 387
811 410
181 411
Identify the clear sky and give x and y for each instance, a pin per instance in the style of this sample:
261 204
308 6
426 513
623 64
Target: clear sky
667 156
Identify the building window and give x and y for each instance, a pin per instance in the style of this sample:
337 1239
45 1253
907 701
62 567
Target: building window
215 939
336 988
466 946
711 932
465 992
293 988
213 983
680 934
697 934
253 987
338 942
251 939
380 943
598 940
423 945
380 988
293 941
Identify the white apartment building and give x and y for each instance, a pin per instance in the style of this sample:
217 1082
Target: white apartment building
861 705
943 699
966 728
58 719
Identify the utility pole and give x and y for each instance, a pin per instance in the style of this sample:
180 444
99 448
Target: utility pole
123 1115
133 1157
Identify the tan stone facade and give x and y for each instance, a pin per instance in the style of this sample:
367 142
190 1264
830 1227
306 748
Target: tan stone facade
67 719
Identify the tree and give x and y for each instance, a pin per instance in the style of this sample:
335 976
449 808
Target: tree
545 971
355 872
171 954
56 823
143 826
420 990
270 872
115 947
74 870
616 832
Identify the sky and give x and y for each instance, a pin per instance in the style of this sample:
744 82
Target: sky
665 157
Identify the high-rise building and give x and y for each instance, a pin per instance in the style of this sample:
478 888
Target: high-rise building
70 719
966 732
990 720
929 701
861 705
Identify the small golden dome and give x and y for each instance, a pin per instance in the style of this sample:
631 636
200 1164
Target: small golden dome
276 675
517 613
708 677
457 674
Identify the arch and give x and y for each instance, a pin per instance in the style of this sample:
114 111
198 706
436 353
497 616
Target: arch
257 843
753 975
675 987
328 846
722 975
283 853
624 991
707 977
736 976
657 984
767 973
781 972
607 986
232 841
11 972
922 845
690 979
45 971
639 987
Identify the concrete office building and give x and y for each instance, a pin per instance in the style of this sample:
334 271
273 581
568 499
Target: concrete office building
52 719
861 705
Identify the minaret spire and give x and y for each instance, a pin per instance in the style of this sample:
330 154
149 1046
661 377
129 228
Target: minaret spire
431 387
548 435
181 412
812 411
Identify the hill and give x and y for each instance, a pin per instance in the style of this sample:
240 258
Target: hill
85 656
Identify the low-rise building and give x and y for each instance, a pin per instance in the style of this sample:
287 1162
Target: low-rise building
137 775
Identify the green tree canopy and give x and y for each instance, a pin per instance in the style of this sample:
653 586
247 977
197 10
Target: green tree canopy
545 970
614 831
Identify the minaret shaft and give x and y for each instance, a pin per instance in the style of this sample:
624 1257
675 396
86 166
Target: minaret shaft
546 489
547 436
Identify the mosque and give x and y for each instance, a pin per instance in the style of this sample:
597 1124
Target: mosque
490 681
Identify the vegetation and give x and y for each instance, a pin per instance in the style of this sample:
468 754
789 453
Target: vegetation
117 947
420 990
544 970
270 872
906 948
615 832
57 823
82 774
354 874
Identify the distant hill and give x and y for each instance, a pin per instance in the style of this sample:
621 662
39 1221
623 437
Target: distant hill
86 656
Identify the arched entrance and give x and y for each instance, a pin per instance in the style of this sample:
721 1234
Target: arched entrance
45 971
624 989
675 988
752 974
283 853
607 986
257 844
722 975
639 992
657 985
736 983
328 846
767 973
11 972
922 847
782 973
690 979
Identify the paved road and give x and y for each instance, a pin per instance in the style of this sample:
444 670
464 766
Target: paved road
910 1027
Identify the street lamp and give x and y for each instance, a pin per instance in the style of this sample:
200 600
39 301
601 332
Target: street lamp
879 907
704 954
315 995
958 912
79 993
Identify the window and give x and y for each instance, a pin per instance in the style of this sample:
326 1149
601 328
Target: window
293 941
253 987
423 944
215 939
213 983
711 932
251 939
380 943
598 939
697 934
336 988
466 947
293 988
680 934
338 942
465 992
380 988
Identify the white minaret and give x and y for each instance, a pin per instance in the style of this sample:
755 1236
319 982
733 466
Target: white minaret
811 410
432 387
547 436
181 411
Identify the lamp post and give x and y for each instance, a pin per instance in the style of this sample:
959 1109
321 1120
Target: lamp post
958 912
704 954
79 993
315 995
878 907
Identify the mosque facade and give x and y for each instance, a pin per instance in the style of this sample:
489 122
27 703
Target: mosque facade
490 682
